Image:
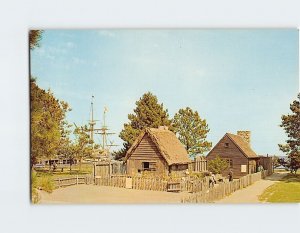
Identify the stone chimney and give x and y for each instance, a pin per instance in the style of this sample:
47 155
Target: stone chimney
246 135
163 127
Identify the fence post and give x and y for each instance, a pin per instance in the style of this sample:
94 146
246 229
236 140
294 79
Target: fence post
76 179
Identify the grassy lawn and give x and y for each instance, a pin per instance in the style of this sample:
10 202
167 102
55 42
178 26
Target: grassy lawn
85 169
42 178
286 190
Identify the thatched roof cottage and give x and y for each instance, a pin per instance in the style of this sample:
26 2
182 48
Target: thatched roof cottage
156 150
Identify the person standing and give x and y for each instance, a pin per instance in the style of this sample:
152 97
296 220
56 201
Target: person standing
230 175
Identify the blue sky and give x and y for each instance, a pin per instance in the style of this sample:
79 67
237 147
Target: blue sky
235 79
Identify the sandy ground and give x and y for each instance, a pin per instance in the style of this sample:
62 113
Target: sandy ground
251 193
90 194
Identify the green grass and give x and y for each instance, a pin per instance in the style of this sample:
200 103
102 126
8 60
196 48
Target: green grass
76 170
287 190
43 179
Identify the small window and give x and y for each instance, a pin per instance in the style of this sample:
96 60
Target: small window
230 163
145 165
226 144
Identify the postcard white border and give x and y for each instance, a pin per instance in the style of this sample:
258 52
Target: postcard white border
16 213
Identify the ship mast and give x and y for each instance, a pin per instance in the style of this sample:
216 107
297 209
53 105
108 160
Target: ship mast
103 131
92 122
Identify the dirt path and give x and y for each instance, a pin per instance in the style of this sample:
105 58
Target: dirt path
90 194
252 192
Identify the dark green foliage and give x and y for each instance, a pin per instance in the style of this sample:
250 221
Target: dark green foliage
34 38
191 131
217 165
148 113
291 125
49 129
83 144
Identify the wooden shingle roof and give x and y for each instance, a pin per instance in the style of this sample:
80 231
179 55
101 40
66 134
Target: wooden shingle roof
242 145
167 143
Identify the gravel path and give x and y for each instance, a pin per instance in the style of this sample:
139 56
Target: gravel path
251 193
90 194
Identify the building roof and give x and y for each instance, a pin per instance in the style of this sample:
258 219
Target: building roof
167 144
242 145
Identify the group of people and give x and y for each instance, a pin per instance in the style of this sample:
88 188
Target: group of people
213 181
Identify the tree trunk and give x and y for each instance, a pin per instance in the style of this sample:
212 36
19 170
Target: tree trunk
70 166
80 161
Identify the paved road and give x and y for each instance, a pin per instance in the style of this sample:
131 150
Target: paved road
251 193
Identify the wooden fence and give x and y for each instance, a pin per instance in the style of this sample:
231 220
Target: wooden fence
221 190
67 181
155 183
107 168
114 181
199 164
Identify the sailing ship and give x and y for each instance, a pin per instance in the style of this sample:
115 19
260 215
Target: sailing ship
101 153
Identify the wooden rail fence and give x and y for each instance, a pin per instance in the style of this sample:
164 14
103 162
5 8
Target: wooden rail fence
224 189
67 181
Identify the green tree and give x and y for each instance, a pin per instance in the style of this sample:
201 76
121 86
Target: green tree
191 131
48 125
275 161
291 125
217 165
34 38
83 144
148 113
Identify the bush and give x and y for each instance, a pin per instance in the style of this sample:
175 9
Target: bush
46 183
34 193
217 165
197 174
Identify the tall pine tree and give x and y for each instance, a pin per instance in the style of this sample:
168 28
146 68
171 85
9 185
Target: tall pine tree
191 131
291 126
148 113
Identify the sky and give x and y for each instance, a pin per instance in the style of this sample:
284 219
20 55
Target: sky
236 79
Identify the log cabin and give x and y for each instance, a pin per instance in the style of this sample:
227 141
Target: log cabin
157 150
236 149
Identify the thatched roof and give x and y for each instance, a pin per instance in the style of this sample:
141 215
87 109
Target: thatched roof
242 145
167 144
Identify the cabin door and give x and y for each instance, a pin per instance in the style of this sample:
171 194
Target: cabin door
251 168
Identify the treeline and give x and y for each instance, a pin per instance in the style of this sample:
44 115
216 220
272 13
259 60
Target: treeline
187 124
50 133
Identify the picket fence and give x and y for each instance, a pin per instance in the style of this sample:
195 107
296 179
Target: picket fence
155 183
222 190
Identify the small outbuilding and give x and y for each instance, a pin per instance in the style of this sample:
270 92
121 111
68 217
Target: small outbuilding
236 149
157 150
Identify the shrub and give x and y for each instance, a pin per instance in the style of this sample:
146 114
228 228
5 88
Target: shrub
46 183
34 193
217 165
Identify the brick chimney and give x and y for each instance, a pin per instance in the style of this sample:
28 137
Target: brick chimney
246 135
